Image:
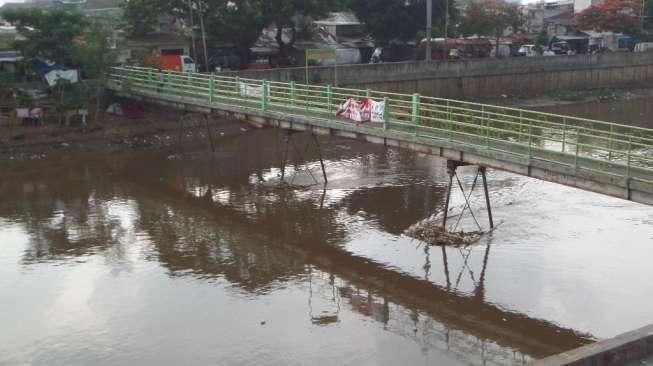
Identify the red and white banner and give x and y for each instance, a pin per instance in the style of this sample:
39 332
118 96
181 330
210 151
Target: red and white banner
365 110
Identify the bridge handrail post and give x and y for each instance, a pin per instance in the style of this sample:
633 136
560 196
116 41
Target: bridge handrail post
630 145
577 148
530 135
450 120
211 87
329 93
266 95
385 113
564 132
414 114
611 142
189 83
293 93
485 122
150 79
237 81
368 93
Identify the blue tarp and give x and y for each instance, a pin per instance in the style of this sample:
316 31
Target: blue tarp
43 67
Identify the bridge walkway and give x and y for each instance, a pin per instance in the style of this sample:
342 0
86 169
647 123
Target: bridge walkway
608 158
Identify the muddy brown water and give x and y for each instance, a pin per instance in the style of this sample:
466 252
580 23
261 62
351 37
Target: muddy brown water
147 258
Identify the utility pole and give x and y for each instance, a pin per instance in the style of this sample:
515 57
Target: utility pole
429 27
206 55
446 24
192 28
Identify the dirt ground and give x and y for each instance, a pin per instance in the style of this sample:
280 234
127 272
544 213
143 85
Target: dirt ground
159 128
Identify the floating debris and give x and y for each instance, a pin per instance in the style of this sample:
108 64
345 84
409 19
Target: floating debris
432 233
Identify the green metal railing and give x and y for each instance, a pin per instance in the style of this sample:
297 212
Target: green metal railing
579 144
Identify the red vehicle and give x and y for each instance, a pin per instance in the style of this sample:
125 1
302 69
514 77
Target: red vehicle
179 63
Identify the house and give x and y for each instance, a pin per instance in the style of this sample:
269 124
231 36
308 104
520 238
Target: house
580 5
538 13
561 24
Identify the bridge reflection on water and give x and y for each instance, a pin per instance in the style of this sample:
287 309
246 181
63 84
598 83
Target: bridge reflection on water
224 219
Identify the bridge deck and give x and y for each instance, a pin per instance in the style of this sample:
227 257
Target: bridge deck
608 158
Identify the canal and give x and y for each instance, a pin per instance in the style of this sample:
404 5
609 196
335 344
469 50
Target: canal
159 257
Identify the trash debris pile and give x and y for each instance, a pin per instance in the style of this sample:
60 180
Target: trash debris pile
432 233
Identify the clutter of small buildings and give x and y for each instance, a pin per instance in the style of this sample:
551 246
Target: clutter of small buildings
344 32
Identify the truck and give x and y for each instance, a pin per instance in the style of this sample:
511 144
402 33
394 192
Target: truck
181 63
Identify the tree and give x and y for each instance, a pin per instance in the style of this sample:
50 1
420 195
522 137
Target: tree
47 34
238 22
95 53
283 14
542 38
390 20
141 16
620 16
491 18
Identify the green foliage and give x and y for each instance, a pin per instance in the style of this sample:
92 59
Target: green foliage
392 20
237 22
620 16
491 17
48 34
7 80
141 16
94 52
542 38
73 96
23 99
283 14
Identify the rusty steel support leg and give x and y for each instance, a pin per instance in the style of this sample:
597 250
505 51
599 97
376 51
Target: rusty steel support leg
284 156
487 197
208 130
451 169
319 152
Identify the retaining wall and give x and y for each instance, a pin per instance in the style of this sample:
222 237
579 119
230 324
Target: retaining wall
522 76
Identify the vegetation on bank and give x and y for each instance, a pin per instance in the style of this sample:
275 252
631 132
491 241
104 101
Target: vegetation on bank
67 38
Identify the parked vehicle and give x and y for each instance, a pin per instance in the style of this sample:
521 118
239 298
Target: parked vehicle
643 47
179 63
225 58
559 48
528 50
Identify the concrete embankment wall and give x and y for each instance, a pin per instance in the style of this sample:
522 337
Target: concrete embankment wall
624 349
522 76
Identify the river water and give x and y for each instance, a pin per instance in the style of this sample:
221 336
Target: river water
198 258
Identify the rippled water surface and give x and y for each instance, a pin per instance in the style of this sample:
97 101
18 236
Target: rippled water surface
144 258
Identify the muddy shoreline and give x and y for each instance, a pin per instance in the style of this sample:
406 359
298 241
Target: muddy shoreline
160 128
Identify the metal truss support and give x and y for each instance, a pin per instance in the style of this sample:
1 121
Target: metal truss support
452 167
290 143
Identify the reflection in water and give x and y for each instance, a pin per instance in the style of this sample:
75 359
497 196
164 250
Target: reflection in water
221 226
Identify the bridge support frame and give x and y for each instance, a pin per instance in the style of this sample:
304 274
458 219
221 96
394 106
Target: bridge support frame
452 167
290 142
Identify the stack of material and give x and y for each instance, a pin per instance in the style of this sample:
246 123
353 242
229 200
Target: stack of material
433 234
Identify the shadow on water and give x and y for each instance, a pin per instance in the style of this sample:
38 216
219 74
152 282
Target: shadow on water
212 218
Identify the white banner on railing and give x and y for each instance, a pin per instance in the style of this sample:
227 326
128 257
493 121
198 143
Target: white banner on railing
377 114
249 90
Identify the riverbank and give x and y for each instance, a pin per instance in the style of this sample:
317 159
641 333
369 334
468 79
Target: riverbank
160 128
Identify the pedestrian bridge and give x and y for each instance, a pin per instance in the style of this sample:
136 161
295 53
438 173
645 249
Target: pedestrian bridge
608 158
